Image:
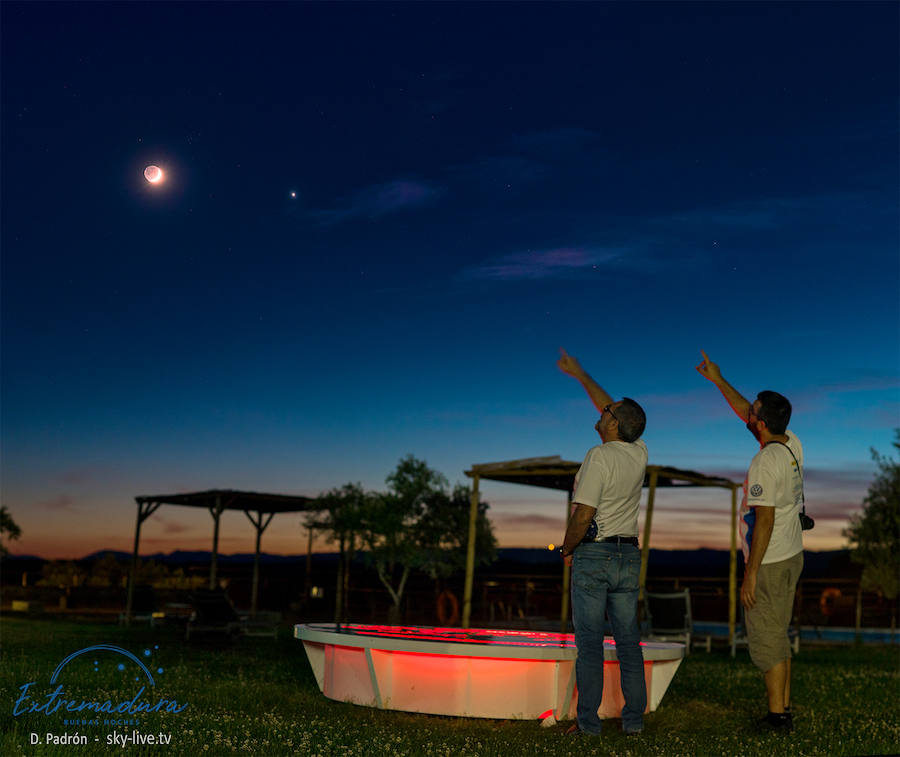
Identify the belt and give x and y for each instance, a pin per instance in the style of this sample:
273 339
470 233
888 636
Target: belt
633 540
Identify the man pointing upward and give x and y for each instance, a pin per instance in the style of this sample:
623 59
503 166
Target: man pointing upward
770 538
601 546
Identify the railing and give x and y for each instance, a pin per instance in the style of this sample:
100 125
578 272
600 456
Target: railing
517 600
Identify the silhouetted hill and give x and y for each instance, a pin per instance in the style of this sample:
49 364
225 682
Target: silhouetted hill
680 562
663 562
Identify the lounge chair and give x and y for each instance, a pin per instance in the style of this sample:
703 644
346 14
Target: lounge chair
214 613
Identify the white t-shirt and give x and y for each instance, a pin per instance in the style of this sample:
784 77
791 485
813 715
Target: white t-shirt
610 479
775 481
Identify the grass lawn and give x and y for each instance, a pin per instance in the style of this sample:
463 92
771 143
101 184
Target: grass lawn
258 697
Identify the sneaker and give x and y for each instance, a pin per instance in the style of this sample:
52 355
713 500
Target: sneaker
776 722
576 730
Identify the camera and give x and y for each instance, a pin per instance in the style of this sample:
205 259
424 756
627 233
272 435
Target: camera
806 523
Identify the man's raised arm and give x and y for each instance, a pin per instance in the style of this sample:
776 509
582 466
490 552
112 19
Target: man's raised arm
741 406
568 364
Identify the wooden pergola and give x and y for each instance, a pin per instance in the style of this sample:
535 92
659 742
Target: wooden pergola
258 507
556 473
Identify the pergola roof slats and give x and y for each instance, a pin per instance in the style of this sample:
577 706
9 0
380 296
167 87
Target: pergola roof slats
556 473
232 499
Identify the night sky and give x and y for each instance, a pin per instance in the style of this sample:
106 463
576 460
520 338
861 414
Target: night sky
380 222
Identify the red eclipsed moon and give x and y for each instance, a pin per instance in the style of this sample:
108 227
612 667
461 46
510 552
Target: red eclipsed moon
153 174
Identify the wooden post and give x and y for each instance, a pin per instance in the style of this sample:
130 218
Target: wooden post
216 512
144 511
254 591
307 582
260 527
732 570
339 581
470 554
567 576
348 559
648 522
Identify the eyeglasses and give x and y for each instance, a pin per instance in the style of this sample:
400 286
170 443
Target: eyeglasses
608 409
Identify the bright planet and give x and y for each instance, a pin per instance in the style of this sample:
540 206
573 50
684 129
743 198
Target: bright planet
153 174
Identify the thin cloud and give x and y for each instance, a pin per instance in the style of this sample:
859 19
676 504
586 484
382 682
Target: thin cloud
555 263
696 402
828 480
834 479
527 157
62 502
191 542
862 383
513 521
763 214
171 526
381 199
823 397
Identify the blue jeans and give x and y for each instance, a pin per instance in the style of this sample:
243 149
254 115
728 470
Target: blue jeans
605 582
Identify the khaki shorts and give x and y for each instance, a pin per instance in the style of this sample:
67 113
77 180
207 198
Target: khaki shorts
768 620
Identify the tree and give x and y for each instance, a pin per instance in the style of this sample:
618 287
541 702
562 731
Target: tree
107 571
444 534
390 525
341 518
62 574
419 525
8 528
874 534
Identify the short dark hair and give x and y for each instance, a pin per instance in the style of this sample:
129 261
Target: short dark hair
632 420
775 410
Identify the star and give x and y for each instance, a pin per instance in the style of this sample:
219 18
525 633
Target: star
293 195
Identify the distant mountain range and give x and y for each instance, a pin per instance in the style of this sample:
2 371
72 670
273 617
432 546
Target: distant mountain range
662 562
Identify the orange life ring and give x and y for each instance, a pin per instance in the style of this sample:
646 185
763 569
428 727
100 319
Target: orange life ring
826 601
447 608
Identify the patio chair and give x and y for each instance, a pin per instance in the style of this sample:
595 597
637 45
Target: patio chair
669 619
214 613
143 606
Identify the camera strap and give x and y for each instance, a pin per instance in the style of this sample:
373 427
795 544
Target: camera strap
799 471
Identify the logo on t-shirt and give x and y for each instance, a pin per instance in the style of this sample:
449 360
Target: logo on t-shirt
756 490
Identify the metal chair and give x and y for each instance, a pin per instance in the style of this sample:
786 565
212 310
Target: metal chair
214 613
669 618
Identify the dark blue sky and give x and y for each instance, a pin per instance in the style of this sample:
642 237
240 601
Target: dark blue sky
476 185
